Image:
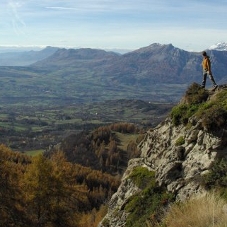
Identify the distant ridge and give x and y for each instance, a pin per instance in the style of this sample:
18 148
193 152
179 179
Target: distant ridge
156 63
67 57
158 72
25 58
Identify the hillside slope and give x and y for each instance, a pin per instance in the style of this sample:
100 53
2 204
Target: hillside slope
107 148
175 158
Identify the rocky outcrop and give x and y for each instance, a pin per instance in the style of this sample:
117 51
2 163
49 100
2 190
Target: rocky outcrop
180 156
179 166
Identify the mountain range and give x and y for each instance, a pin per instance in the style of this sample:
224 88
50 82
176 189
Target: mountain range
21 56
153 64
155 73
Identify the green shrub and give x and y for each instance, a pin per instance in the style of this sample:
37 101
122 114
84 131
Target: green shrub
105 222
213 113
181 113
147 205
194 97
216 179
180 141
142 177
222 98
217 176
195 94
205 106
214 118
177 114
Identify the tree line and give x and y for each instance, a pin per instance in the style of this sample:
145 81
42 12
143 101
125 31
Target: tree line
101 149
51 191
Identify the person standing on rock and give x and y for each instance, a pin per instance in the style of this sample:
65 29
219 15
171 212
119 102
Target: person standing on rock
206 64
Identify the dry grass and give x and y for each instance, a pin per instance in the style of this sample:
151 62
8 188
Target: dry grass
206 211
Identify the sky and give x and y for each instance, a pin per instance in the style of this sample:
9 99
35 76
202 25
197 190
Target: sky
113 24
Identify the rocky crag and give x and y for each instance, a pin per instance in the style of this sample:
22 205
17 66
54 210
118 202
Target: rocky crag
179 153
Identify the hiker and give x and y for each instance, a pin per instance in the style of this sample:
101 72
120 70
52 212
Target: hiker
207 71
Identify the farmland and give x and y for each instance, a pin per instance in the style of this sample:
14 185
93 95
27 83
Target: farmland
34 127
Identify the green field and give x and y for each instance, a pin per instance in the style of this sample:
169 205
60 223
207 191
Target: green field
26 127
39 106
34 152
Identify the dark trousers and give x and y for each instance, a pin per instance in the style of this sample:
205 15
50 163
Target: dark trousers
205 74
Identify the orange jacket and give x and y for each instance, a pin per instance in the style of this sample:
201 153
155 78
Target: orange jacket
206 64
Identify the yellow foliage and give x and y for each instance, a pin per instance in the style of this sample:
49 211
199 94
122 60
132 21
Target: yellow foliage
93 218
206 211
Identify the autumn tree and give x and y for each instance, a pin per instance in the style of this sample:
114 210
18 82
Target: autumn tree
38 182
45 193
11 201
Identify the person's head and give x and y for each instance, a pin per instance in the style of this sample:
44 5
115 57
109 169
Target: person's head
204 53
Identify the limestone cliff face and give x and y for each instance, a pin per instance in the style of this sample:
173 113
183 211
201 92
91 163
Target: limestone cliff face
177 165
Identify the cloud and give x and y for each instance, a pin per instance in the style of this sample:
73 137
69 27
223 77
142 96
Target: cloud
18 24
113 23
60 8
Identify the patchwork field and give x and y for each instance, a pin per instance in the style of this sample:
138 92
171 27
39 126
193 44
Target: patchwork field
28 128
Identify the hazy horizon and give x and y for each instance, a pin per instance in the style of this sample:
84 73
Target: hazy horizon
113 24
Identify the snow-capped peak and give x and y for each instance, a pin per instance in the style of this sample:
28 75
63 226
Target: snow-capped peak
219 46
